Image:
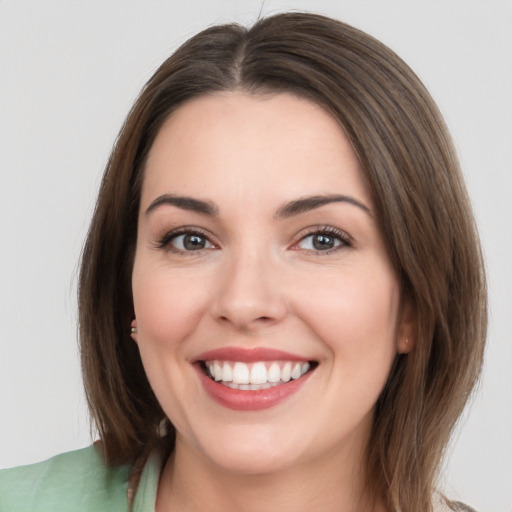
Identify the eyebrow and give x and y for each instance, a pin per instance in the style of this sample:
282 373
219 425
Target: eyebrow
185 203
296 207
309 203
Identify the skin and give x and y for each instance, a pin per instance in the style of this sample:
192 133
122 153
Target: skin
259 282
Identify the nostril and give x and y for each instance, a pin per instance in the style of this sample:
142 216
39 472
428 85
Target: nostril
246 324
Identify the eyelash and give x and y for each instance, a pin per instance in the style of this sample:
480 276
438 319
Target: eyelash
165 241
330 232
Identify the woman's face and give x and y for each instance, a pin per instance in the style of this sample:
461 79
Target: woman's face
268 312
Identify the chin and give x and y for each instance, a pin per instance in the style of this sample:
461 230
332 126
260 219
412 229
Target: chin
250 450
253 462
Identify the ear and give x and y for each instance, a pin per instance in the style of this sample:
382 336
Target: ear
407 328
133 331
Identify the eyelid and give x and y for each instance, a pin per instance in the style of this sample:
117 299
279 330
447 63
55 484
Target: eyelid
163 241
345 238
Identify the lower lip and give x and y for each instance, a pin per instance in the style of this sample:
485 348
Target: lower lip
250 400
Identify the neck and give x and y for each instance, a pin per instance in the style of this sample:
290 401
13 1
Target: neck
191 483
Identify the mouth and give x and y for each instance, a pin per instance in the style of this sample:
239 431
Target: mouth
255 376
252 379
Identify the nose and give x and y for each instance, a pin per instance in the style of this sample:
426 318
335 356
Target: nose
250 292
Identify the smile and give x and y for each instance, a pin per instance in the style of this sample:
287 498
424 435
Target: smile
252 379
255 376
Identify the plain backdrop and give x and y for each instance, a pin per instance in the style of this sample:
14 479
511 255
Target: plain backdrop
69 71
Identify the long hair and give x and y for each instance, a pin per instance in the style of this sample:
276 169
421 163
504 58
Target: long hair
408 160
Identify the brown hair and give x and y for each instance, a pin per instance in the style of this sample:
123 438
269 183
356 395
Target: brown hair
408 159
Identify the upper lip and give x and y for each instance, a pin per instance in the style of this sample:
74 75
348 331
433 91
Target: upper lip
248 355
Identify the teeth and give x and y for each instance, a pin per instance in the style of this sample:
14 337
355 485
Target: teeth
259 375
227 373
286 372
296 371
240 373
246 387
217 371
274 373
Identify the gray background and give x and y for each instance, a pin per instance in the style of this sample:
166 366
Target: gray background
69 71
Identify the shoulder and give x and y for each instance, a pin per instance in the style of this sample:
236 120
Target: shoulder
77 480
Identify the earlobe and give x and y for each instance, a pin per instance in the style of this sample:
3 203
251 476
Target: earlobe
405 345
133 330
406 338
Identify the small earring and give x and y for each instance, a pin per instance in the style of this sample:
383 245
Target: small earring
133 330
406 341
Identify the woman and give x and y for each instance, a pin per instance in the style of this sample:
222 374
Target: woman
282 301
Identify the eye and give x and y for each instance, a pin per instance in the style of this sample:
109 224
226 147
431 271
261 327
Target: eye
185 241
324 240
190 242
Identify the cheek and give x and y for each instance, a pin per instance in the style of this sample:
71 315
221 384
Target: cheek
168 306
355 314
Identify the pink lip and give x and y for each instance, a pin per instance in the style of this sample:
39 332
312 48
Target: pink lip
248 355
248 400
241 400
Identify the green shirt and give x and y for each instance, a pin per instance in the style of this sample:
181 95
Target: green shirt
77 481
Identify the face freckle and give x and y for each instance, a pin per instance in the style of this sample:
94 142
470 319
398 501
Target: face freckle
222 276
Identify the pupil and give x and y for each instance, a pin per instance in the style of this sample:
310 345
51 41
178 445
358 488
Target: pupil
193 242
322 242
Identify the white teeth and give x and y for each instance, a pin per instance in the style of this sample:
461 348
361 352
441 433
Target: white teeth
227 372
252 376
274 373
240 373
258 374
217 371
286 372
296 371
247 387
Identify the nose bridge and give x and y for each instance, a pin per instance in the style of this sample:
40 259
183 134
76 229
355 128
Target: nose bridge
249 290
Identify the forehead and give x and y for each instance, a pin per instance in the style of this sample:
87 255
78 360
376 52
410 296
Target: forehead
252 145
